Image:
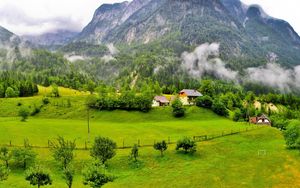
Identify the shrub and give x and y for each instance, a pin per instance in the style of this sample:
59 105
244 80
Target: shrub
4 172
178 109
45 100
24 113
292 135
5 155
134 152
68 176
237 115
188 145
204 101
103 149
161 146
219 108
23 156
38 176
95 177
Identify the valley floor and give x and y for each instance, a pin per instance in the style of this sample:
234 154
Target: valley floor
257 158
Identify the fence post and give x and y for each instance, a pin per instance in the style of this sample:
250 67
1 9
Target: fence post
205 137
10 143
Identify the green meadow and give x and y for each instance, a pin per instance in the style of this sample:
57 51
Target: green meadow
257 158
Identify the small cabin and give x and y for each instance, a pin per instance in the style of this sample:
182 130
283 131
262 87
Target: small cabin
188 96
260 120
160 101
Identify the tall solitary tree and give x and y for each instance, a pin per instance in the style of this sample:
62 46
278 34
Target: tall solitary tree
135 152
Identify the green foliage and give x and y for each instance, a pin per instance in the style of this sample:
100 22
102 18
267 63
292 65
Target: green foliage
219 108
95 176
4 173
63 151
204 101
10 93
292 135
134 152
55 92
24 113
46 100
178 109
237 114
23 156
187 144
103 149
38 176
5 155
161 146
68 176
128 100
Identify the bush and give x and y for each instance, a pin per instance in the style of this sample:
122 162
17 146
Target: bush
178 109
134 152
204 101
219 108
24 113
4 172
23 156
161 146
237 115
95 177
188 145
36 110
292 135
38 176
45 100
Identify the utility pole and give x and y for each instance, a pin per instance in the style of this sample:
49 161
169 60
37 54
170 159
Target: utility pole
88 123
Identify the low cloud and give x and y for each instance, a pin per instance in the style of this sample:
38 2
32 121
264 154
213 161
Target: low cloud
205 60
274 75
112 52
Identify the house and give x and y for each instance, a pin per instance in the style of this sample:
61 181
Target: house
260 120
160 101
188 96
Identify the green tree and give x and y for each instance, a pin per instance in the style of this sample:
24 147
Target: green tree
135 152
188 145
219 108
95 177
55 91
204 101
292 135
178 109
4 172
68 176
10 92
5 155
63 151
38 176
103 149
23 156
207 87
161 146
24 113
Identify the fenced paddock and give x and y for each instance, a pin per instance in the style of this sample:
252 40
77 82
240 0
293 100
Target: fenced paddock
123 143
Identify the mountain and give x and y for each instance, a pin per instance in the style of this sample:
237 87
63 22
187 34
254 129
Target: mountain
107 17
245 33
7 37
52 39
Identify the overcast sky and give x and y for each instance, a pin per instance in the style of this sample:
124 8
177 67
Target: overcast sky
39 16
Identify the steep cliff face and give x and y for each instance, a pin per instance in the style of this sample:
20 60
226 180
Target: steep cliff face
107 17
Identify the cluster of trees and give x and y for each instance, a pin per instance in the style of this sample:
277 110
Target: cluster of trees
292 135
94 174
127 100
16 85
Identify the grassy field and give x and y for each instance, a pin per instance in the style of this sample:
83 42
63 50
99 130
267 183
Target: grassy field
252 159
